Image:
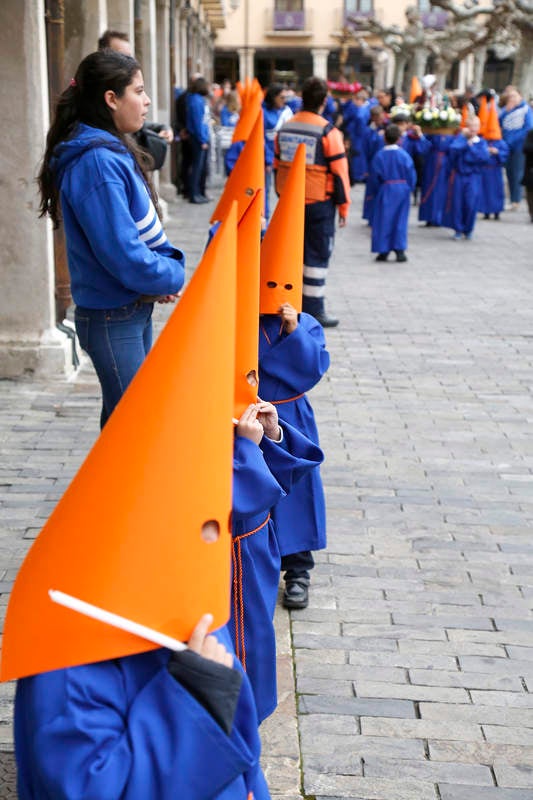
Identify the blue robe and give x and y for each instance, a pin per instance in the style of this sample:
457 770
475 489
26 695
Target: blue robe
492 196
289 366
261 477
392 178
435 180
418 147
464 183
125 729
373 143
355 121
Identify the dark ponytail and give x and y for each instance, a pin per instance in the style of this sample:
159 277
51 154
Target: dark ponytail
83 101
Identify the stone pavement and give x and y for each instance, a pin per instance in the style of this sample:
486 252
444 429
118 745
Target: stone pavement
414 660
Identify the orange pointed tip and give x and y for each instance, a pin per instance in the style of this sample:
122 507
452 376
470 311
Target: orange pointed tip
493 130
251 108
247 347
118 538
247 177
416 89
283 245
483 114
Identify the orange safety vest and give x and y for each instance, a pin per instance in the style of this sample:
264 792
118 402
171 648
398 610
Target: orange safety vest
292 134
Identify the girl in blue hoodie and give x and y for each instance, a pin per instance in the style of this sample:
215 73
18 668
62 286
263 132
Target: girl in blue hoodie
94 181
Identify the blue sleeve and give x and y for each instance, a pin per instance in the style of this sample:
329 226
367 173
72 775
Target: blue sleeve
195 117
477 153
456 151
411 174
233 154
300 359
503 152
157 747
117 243
255 489
420 146
292 458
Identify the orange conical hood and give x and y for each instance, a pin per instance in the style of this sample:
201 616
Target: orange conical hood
416 89
247 176
464 115
248 259
483 115
251 109
493 131
126 535
282 250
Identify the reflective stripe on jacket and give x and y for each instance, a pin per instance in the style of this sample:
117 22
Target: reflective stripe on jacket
326 163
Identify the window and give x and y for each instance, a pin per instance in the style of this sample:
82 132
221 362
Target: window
289 5
358 7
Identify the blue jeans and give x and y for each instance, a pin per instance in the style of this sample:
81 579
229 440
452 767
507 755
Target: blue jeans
514 168
117 341
198 168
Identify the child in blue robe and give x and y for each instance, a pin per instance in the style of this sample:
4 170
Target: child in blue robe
492 195
415 143
138 727
392 179
467 155
435 180
356 115
292 359
264 471
373 143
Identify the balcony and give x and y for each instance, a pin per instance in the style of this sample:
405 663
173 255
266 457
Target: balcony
361 9
288 24
435 19
215 11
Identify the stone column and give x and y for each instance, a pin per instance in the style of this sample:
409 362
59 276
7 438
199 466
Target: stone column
480 59
149 54
246 62
85 21
164 111
461 77
320 63
30 344
120 17
380 63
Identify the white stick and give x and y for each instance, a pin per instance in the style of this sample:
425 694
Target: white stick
114 619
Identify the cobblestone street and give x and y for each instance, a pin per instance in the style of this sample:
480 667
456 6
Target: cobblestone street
413 663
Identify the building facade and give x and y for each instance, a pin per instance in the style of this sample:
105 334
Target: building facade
41 44
288 40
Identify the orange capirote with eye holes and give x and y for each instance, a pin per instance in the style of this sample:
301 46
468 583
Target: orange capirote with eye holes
282 251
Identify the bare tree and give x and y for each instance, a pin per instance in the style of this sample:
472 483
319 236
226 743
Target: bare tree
504 25
508 25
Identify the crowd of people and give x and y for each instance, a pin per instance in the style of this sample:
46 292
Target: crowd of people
147 724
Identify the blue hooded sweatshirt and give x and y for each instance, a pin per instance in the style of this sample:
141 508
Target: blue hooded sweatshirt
116 247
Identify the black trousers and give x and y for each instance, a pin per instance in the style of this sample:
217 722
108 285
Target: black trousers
297 566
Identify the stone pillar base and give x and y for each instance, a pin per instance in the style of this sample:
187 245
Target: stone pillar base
49 358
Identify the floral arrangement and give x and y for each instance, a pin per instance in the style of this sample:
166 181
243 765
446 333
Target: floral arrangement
432 118
401 108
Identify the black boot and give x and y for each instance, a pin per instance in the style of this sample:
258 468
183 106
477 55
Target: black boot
296 594
400 255
382 256
315 307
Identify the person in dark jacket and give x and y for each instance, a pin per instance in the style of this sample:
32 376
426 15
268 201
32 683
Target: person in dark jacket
198 129
527 180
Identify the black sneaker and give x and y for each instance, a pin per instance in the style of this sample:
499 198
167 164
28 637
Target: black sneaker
296 595
325 321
